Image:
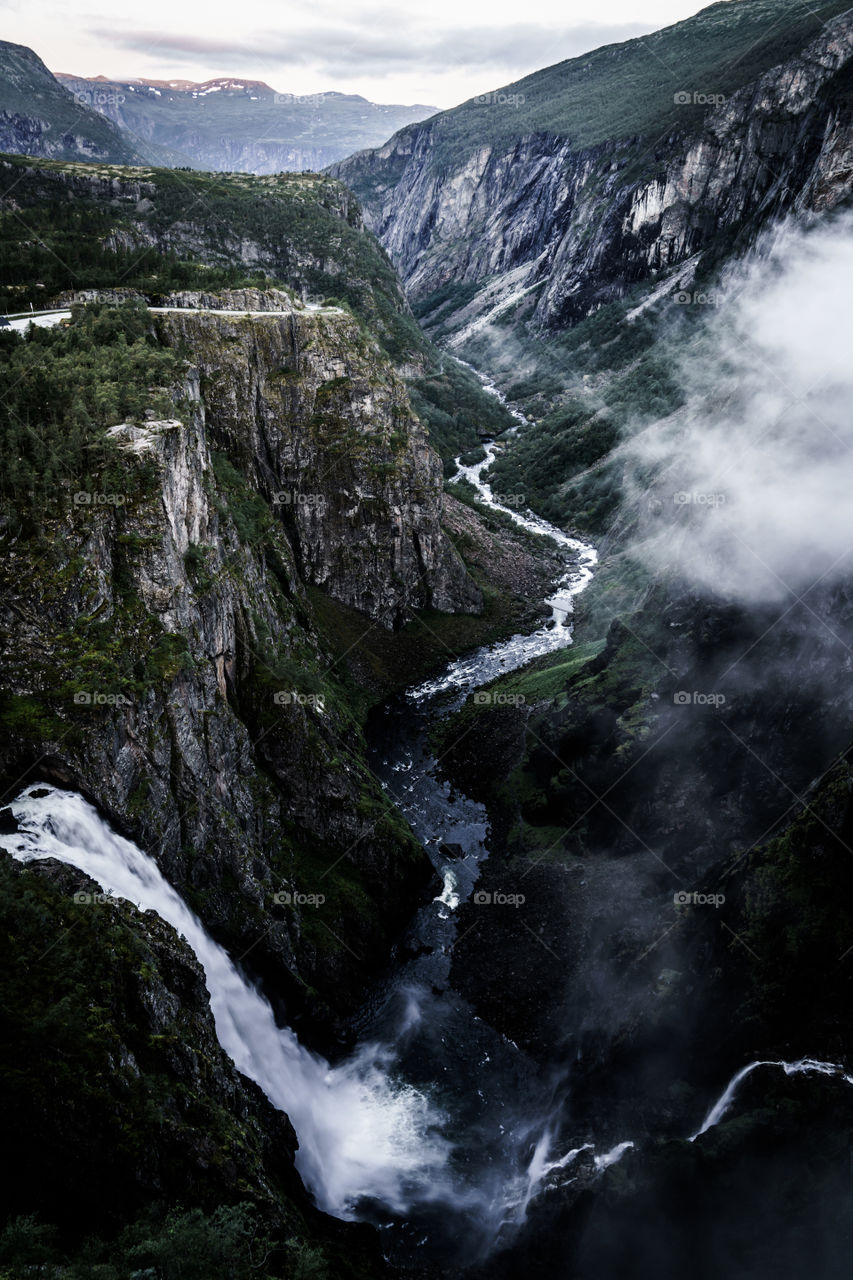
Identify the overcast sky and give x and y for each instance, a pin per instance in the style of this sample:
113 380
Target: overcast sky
438 53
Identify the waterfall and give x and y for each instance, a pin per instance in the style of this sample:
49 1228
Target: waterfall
361 1135
368 1141
727 1097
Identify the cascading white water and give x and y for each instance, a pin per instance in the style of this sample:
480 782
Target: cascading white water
360 1134
492 661
801 1067
526 519
363 1137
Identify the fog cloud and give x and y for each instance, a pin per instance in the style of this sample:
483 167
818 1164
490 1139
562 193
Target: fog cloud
752 489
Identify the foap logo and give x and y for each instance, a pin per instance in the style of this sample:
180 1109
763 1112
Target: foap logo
693 98
98 699
292 698
515 100
92 498
99 98
290 498
517 500
286 898
484 699
686 298
87 899
686 699
299 99
482 898
699 499
684 899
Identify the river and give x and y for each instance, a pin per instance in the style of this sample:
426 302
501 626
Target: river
437 1129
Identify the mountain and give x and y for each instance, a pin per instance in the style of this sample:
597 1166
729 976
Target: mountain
526 209
39 117
517 872
284 434
234 124
537 255
227 496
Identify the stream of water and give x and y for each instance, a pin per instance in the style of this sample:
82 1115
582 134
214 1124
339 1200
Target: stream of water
437 1128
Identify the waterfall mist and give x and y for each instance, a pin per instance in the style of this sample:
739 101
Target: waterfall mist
361 1136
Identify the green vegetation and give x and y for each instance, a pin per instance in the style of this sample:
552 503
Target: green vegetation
793 900
62 244
457 411
566 441
617 376
60 389
619 587
463 491
433 309
68 230
627 90
579 713
548 680
251 514
228 1243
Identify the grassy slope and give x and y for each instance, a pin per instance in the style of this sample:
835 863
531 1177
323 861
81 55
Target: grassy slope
627 90
595 384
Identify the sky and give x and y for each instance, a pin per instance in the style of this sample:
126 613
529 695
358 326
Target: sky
438 54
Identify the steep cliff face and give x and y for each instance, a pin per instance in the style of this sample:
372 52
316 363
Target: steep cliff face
129 1129
549 231
159 650
34 136
324 429
40 117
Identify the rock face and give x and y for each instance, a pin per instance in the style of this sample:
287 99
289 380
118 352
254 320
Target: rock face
210 724
214 1129
551 231
324 429
33 136
40 117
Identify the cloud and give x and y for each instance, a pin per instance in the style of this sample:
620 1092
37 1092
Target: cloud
754 477
386 47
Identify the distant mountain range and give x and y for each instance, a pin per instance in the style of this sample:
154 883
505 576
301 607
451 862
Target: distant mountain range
228 124
240 125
